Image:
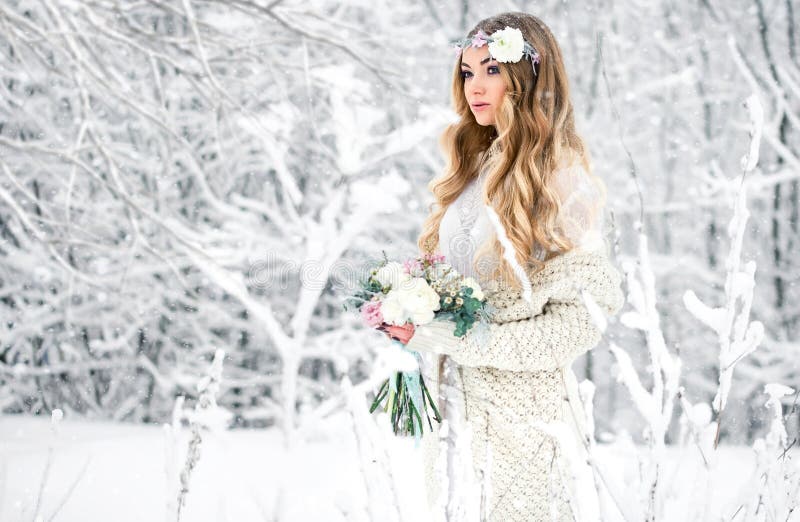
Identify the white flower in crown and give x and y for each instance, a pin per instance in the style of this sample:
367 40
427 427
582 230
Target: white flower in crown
507 45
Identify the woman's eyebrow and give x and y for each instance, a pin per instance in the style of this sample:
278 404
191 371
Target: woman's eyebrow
487 59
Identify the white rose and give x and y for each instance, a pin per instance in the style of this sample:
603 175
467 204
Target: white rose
392 309
415 300
477 291
391 274
419 300
508 45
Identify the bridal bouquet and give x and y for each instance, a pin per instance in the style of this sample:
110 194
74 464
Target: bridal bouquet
411 294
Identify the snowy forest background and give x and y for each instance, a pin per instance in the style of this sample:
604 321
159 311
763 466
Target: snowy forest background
179 177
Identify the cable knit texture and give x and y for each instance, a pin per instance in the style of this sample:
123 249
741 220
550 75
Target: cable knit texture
520 374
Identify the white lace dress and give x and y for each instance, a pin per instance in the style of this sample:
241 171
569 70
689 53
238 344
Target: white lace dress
519 480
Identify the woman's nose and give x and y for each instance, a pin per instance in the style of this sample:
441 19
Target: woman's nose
476 85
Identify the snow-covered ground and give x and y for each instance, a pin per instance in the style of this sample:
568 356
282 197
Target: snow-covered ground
120 474
101 471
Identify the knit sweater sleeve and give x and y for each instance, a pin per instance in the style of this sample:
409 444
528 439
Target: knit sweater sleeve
546 341
564 329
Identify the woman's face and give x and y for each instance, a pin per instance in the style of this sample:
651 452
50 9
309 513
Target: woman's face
484 88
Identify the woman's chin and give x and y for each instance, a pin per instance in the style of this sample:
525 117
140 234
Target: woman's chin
484 121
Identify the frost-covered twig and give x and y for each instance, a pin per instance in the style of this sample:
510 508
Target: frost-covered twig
695 424
586 390
171 450
71 489
737 335
55 428
464 492
776 483
377 473
584 502
205 416
56 418
655 405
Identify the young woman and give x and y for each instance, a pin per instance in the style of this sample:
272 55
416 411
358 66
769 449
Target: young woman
515 150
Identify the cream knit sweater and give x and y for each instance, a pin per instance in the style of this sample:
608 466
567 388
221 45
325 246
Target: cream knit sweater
518 375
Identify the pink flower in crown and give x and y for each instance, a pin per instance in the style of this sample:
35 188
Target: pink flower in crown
480 39
371 313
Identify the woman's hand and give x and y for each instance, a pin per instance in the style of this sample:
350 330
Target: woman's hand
401 333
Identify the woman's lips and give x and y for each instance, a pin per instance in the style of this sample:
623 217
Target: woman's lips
479 106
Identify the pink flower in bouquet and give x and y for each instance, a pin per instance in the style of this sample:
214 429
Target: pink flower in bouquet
412 266
434 258
371 313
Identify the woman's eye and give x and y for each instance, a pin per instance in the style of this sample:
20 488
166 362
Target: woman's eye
494 69
465 75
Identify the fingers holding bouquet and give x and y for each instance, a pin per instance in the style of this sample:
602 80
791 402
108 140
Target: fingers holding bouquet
402 333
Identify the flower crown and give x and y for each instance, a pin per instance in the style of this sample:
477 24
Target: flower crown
505 45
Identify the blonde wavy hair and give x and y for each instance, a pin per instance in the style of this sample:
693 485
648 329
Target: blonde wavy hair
534 134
